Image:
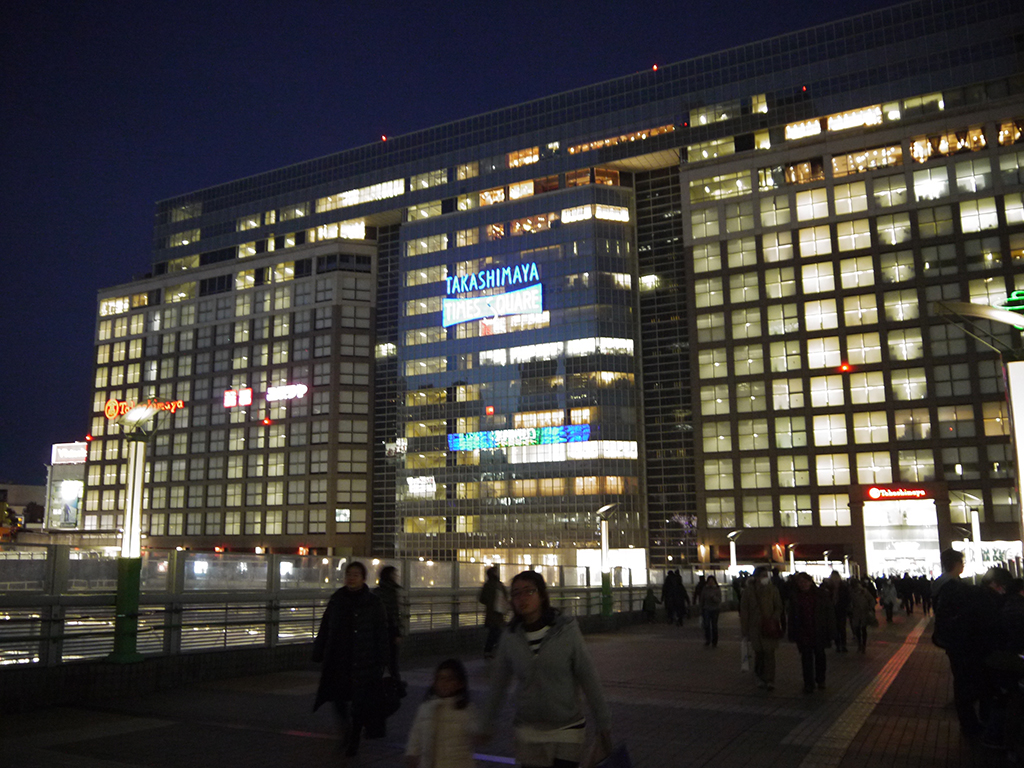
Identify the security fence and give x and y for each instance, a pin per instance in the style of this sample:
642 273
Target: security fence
57 602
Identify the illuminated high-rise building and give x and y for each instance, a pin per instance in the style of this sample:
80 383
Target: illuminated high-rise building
702 294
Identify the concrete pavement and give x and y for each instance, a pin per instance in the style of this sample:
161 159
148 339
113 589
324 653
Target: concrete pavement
674 702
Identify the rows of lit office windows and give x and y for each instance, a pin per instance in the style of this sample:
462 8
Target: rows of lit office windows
489 326
970 175
527 225
237 358
473 392
180 440
270 522
262 299
864 386
522 454
832 509
830 429
521 488
891 229
554 350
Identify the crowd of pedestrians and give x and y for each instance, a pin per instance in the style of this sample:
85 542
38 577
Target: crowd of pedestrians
541 651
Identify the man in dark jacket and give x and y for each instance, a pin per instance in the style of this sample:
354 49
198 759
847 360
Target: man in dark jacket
387 590
352 644
811 623
966 621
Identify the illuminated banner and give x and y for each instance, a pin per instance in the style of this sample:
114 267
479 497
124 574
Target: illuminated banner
236 397
497 277
526 301
508 438
114 409
878 494
286 392
69 453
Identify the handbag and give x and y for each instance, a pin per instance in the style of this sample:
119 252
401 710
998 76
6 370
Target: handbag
390 696
771 628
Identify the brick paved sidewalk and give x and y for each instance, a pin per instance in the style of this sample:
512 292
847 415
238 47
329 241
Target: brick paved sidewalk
674 701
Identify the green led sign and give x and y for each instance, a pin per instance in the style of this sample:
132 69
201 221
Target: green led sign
1014 302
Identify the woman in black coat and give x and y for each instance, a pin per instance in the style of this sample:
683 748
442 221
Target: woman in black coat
353 646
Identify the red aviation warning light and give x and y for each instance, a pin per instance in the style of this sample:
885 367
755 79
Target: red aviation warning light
489 410
845 367
267 422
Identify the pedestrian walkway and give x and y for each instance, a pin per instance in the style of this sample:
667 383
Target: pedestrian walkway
674 702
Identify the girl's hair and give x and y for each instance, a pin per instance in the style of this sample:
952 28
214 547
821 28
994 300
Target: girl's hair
387 573
535 580
712 578
356 564
457 668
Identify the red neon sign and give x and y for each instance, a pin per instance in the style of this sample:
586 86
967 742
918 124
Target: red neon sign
878 494
114 409
235 397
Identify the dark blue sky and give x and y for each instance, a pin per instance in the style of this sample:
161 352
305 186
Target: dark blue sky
106 108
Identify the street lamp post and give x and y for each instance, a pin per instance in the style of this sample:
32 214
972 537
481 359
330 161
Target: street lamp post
605 513
137 425
792 557
732 536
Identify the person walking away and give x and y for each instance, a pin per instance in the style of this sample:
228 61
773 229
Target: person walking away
810 627
956 632
888 597
862 614
494 597
387 590
443 730
650 606
924 593
543 652
761 623
697 588
352 645
668 595
841 603
682 598
710 604
906 590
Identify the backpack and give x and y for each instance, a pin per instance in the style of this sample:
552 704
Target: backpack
952 619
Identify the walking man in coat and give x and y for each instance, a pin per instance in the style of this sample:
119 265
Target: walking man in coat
352 645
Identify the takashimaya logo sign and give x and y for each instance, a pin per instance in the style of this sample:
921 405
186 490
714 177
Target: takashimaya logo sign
879 494
524 301
114 409
497 277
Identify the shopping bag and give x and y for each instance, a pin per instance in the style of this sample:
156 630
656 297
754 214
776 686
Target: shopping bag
618 758
744 655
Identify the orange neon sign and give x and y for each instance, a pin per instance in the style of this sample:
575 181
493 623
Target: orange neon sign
114 409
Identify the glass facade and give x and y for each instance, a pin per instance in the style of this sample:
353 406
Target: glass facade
701 294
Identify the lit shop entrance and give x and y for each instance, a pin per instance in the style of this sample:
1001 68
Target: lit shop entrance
901 533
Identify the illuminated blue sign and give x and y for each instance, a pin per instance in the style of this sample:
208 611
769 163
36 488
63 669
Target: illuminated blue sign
526 301
507 438
496 277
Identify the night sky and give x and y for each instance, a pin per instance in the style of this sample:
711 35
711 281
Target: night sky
109 107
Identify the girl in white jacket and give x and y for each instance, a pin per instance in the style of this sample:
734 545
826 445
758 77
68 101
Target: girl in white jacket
442 733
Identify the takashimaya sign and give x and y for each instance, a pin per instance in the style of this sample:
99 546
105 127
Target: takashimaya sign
114 409
527 301
522 301
496 277
878 494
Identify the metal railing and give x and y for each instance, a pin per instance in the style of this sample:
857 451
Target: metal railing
57 602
